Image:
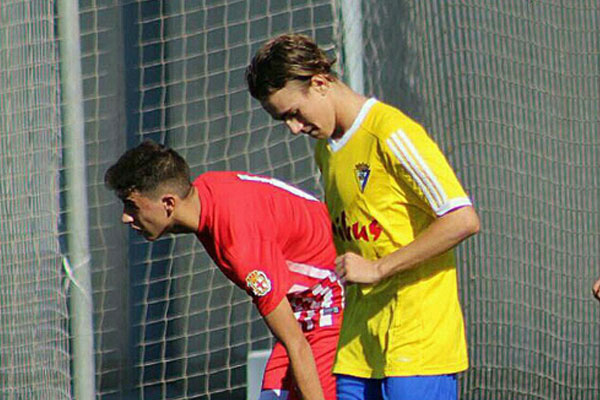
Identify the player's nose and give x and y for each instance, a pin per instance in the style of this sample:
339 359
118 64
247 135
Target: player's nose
126 218
294 126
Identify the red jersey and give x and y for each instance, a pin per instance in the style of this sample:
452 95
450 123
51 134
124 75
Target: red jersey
272 240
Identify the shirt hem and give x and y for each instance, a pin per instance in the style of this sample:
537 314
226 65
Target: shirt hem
397 372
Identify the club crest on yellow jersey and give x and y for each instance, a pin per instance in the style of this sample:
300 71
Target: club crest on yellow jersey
362 172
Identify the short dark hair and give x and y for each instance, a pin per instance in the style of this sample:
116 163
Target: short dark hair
282 59
147 167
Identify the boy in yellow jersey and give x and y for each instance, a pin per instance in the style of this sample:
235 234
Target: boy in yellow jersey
397 209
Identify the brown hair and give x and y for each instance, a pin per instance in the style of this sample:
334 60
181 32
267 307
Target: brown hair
282 59
147 167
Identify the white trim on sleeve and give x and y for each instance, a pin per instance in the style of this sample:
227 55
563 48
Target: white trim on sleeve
408 155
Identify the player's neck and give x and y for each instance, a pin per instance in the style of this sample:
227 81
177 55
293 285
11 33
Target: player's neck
188 213
348 106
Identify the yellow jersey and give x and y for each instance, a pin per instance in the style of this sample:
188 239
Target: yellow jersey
385 181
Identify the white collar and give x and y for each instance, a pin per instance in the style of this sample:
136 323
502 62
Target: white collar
334 144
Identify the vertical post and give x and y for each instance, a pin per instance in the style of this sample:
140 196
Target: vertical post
76 199
353 44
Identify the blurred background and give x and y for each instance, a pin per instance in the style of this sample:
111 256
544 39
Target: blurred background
509 89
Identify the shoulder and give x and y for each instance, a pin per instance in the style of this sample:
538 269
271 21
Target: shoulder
212 177
227 184
384 120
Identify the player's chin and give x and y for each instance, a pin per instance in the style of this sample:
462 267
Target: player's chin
152 236
321 133
148 236
317 134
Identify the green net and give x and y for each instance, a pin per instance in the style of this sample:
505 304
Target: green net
34 346
510 91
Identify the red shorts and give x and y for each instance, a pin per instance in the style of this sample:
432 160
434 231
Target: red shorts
278 374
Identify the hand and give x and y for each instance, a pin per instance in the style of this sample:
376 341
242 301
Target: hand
351 267
596 289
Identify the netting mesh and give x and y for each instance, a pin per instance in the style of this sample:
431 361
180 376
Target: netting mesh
190 329
510 91
508 88
34 351
104 88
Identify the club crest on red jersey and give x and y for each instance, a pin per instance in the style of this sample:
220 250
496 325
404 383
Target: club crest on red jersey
362 172
258 282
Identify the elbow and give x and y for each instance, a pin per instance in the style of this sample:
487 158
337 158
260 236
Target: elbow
296 347
471 223
465 222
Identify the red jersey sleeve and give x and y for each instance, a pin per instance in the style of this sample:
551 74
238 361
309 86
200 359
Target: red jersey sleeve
259 267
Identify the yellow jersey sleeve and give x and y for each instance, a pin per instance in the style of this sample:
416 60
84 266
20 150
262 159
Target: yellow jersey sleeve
413 157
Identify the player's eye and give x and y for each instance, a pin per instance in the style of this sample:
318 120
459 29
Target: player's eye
129 205
292 114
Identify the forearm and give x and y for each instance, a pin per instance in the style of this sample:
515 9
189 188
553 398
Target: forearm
442 235
305 371
284 326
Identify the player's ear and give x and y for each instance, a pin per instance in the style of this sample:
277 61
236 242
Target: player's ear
168 202
320 83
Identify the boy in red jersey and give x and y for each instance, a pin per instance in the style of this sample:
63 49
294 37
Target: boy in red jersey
271 239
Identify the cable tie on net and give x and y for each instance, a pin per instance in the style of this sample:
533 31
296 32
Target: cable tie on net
71 277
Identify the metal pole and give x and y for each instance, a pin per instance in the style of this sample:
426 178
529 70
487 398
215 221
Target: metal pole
353 44
76 199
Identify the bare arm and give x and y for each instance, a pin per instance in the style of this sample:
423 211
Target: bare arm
596 289
284 326
442 235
